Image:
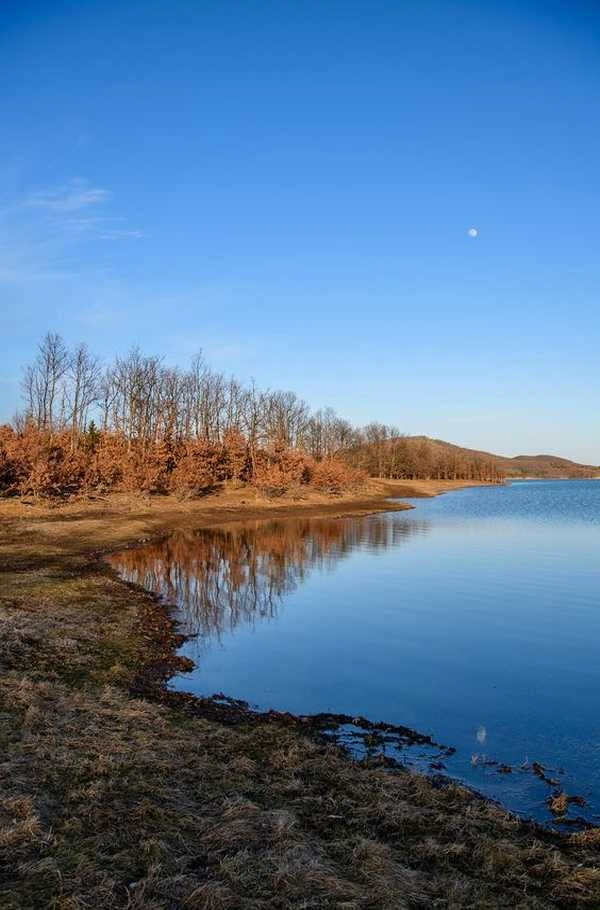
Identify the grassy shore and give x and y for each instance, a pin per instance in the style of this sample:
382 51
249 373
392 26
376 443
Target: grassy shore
114 795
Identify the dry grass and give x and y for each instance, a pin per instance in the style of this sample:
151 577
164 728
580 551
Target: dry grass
113 801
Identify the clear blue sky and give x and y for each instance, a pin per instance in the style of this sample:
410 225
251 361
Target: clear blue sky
289 185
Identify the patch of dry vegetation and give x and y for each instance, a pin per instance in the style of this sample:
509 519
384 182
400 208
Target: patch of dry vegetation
109 799
39 463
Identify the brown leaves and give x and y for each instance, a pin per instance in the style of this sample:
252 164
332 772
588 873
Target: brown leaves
38 463
334 476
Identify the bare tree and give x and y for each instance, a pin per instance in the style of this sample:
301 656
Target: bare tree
43 381
83 390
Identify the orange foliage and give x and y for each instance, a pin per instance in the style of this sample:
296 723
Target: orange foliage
333 476
149 468
40 464
9 469
201 466
238 457
281 469
36 462
106 465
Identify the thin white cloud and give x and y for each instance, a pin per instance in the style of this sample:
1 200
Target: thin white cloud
41 233
109 234
73 197
76 209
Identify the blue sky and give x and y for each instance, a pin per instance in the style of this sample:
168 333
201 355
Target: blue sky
289 186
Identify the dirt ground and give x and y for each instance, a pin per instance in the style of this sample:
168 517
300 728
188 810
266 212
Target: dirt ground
112 795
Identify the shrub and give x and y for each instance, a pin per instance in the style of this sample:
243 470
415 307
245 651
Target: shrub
333 476
280 469
237 456
149 469
37 462
9 468
46 464
201 466
107 457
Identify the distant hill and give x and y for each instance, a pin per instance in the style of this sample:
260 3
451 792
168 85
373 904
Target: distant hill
547 466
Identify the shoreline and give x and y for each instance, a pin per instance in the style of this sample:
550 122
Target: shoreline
153 678
71 631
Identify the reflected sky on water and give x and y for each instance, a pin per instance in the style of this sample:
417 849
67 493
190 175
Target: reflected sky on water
474 618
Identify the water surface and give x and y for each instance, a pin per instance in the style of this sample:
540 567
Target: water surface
474 618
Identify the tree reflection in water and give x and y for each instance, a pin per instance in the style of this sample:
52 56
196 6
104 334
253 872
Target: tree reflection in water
221 578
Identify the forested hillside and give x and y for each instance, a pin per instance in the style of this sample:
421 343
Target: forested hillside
518 466
382 453
385 454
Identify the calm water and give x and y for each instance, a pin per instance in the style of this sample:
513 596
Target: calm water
474 618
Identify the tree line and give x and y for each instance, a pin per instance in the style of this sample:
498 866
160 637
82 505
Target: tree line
146 401
137 423
381 451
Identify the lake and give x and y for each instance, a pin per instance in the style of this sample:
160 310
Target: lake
474 618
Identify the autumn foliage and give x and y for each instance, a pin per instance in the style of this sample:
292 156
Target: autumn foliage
34 462
168 430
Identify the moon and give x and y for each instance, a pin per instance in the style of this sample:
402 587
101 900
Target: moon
472 232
